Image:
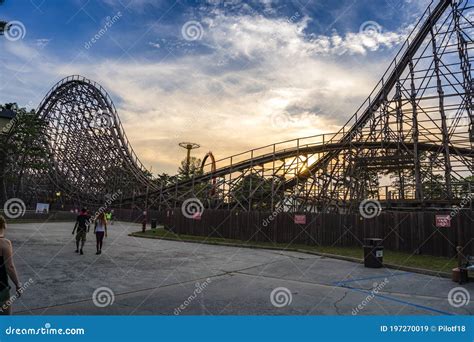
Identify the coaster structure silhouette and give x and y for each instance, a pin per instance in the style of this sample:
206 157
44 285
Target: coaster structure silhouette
408 145
91 157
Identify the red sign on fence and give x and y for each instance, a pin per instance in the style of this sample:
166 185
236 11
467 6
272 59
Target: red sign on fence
443 221
197 216
300 219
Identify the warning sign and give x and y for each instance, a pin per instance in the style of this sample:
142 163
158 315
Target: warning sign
443 221
300 219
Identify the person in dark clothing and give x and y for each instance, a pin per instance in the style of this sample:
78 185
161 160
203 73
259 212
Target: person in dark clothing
7 270
82 225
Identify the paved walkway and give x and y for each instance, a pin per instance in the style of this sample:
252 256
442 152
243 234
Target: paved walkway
145 276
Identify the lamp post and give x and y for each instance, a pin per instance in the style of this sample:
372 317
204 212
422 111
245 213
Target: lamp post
58 200
188 146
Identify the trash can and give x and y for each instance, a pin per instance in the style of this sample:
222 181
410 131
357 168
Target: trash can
373 253
460 275
153 223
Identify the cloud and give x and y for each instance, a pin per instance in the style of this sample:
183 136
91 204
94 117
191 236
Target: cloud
252 35
259 81
356 43
134 5
156 45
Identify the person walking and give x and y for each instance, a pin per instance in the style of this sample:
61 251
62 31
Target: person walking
82 225
108 216
100 230
7 271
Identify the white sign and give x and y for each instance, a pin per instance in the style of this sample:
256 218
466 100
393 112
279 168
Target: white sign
42 208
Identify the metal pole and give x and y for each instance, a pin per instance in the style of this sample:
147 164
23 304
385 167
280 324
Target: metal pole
444 126
416 157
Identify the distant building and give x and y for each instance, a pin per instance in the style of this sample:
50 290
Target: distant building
6 115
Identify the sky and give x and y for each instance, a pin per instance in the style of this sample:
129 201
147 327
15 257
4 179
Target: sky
230 75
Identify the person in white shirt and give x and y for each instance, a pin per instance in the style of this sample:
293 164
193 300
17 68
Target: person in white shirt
100 231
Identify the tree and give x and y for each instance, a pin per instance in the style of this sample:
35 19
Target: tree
186 171
3 25
467 187
255 191
23 148
164 180
433 187
404 182
148 174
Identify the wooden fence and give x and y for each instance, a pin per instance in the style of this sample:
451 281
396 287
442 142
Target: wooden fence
401 231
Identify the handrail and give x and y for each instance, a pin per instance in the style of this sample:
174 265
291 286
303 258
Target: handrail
423 132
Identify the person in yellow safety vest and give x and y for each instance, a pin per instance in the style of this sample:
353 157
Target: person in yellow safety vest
108 216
